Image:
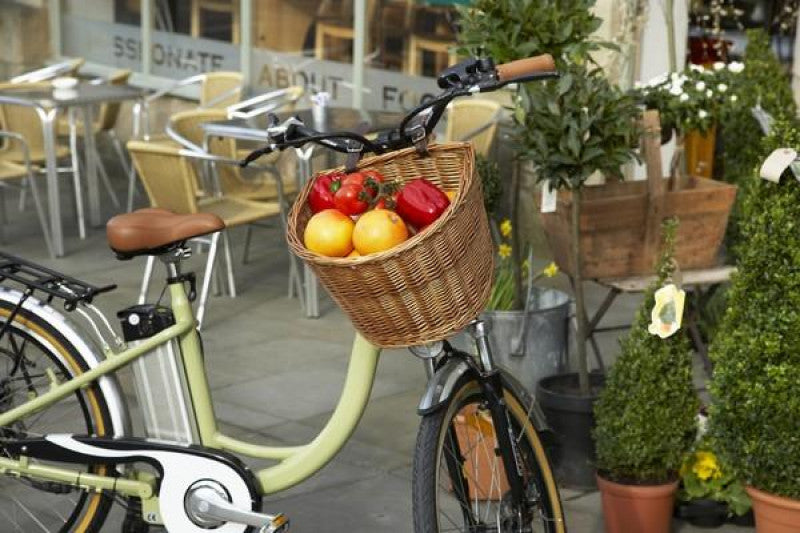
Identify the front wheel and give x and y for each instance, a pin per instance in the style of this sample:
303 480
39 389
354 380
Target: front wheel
459 482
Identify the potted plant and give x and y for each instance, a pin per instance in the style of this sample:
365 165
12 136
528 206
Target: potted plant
507 30
646 414
755 412
692 102
570 129
710 493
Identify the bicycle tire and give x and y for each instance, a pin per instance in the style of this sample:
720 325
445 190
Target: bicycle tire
429 489
88 511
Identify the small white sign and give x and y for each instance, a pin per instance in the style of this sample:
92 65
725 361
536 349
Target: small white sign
778 161
549 198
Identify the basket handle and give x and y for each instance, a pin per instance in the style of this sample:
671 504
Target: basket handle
651 146
351 163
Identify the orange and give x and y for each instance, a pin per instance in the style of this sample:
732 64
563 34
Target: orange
330 233
451 193
354 254
378 230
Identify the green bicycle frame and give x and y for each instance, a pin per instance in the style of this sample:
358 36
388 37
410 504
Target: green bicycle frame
296 463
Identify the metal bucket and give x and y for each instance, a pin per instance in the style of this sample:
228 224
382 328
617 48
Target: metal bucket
543 344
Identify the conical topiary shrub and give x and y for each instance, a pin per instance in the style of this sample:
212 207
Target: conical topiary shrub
646 415
755 415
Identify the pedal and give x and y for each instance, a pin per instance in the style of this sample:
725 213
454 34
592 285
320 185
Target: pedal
208 507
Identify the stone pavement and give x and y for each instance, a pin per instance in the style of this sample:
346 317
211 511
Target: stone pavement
276 377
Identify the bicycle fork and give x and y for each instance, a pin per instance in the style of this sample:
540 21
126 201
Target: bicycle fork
492 388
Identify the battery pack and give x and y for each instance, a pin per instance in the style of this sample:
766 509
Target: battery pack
159 376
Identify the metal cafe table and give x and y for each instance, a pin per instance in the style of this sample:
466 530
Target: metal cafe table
47 103
254 128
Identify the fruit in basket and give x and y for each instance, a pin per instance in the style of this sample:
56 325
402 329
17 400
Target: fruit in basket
321 195
370 180
420 203
378 230
352 199
329 233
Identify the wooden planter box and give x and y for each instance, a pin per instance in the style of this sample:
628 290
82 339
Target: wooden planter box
620 223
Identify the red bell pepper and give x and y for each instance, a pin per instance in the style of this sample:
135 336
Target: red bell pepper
323 190
420 203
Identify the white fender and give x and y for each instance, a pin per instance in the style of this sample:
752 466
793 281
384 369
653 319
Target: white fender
112 392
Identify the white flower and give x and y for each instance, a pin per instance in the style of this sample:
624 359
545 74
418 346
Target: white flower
736 67
667 312
722 87
696 68
702 114
658 80
676 90
734 98
684 97
719 65
709 93
700 86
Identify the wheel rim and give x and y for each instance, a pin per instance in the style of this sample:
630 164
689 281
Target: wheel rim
30 358
468 447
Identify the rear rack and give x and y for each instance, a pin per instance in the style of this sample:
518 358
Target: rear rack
55 284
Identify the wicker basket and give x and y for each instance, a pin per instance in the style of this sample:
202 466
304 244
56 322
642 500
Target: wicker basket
431 285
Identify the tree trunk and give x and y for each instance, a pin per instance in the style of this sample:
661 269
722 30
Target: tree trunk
580 309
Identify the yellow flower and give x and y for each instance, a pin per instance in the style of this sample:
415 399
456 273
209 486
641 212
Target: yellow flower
504 250
706 466
505 228
550 270
667 312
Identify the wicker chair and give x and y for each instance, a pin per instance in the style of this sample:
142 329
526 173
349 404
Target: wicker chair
217 90
24 173
25 123
473 120
169 179
104 124
64 68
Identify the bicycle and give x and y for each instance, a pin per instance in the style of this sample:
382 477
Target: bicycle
65 431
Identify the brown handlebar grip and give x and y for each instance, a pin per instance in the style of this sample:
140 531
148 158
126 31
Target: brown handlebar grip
525 67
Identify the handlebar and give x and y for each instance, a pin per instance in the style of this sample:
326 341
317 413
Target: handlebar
463 79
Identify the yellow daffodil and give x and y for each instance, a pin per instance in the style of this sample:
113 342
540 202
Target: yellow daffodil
505 228
504 250
706 466
667 313
550 270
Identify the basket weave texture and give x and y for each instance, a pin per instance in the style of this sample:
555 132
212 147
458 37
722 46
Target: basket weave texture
429 286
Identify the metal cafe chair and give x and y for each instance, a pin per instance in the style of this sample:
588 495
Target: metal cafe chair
64 68
104 125
22 119
169 179
217 90
11 171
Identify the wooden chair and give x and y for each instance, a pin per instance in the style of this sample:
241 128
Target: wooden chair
169 179
225 7
430 33
24 121
335 23
473 120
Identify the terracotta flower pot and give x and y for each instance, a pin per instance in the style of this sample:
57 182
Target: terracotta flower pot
637 508
774 514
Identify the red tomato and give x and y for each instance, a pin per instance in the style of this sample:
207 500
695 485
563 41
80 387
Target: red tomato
352 199
321 195
370 180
